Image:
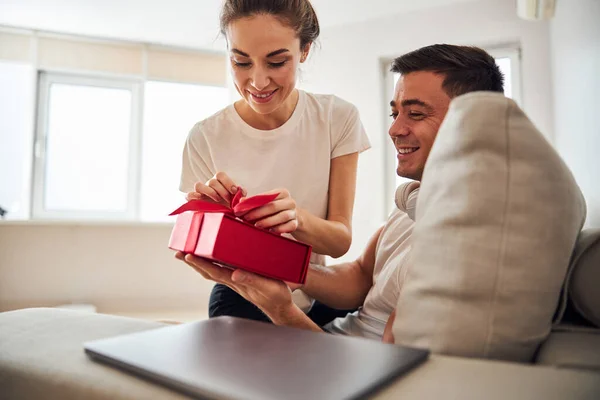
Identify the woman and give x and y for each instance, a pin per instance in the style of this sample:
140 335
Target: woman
277 138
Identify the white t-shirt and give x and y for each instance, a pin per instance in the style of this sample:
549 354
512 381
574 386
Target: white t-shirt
296 156
391 264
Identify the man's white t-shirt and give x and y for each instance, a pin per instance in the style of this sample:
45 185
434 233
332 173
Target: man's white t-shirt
296 156
391 261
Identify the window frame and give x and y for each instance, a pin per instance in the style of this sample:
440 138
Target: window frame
45 80
143 62
513 53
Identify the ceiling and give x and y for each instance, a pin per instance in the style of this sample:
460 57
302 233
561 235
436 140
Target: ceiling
185 23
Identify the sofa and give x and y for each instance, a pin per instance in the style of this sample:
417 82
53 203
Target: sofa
41 357
558 349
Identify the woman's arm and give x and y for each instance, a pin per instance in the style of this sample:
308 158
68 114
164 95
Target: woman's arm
196 165
332 236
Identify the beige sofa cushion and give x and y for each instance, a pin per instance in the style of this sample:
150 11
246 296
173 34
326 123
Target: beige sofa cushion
571 347
497 218
42 357
583 284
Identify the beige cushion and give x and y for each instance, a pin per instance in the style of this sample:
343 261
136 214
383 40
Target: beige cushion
571 347
42 357
497 218
584 279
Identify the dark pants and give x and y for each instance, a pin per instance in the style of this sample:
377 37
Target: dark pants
225 301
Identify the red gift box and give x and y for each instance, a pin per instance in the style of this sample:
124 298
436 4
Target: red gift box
212 231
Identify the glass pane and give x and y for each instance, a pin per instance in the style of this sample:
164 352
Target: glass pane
504 65
170 111
16 138
87 148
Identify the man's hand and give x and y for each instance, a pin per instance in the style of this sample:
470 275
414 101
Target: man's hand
273 297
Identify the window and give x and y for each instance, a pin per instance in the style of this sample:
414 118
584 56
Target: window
170 111
98 156
16 127
86 148
507 59
92 159
92 128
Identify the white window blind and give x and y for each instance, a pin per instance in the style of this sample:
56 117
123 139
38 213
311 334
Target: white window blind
78 54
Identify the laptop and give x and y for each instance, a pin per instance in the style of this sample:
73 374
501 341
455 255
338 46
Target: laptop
232 358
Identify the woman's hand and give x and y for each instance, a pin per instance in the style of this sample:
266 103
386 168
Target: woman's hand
280 215
219 189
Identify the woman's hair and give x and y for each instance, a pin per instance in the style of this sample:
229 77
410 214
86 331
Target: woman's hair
297 14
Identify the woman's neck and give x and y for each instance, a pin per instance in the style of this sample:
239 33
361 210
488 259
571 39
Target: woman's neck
267 122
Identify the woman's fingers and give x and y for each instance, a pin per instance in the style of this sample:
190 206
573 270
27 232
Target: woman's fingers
226 182
206 192
274 207
288 227
280 218
193 196
220 189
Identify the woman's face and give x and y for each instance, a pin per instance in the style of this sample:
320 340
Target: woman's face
264 56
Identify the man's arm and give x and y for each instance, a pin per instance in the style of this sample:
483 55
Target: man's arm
343 286
291 316
273 297
388 335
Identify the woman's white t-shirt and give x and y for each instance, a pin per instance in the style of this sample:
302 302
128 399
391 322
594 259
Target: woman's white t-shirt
296 156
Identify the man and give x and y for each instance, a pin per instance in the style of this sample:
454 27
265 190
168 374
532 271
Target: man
430 78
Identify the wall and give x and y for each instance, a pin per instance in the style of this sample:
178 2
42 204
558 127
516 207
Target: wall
128 267
575 40
118 268
121 268
348 64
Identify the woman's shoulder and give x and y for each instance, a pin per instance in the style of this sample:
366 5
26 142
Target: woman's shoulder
215 123
330 104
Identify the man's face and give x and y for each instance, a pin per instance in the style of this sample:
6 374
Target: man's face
418 109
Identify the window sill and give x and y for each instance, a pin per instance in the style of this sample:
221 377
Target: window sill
100 223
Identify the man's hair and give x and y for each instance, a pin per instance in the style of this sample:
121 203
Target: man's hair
466 68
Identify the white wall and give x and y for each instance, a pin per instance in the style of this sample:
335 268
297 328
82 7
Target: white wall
129 268
575 40
124 268
348 65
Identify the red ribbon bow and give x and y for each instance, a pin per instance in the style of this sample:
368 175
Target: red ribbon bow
236 206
